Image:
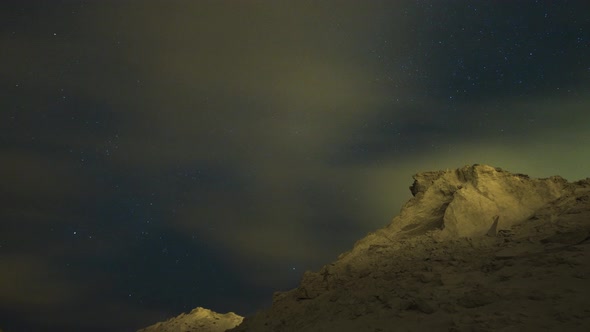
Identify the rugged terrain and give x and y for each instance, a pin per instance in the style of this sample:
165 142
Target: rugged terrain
475 249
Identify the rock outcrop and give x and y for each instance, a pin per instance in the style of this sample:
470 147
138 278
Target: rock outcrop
475 249
200 319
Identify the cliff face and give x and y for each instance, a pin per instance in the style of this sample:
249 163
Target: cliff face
200 319
465 202
475 248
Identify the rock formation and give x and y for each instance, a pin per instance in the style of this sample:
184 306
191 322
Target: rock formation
200 319
475 249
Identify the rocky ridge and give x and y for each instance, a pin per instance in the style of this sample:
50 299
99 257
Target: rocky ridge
475 249
199 319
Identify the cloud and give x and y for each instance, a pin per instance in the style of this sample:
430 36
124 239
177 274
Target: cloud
39 288
29 281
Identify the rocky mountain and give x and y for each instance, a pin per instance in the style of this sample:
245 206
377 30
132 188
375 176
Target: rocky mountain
200 319
476 249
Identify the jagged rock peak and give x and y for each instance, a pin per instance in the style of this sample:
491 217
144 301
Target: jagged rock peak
198 320
471 174
465 202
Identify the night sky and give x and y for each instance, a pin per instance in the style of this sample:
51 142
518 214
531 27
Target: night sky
157 156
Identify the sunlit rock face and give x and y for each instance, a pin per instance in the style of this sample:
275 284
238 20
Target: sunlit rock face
476 248
465 201
198 320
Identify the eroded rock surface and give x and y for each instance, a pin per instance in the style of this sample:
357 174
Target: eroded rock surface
475 249
198 320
